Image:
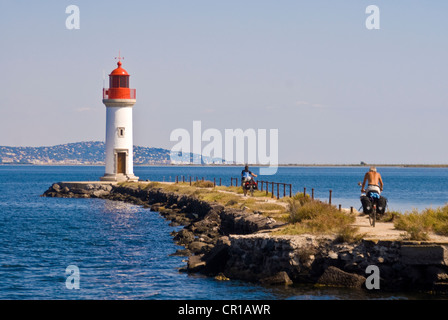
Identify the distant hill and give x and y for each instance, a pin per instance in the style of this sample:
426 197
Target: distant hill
87 152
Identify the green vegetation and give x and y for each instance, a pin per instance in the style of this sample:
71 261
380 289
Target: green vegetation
314 216
418 225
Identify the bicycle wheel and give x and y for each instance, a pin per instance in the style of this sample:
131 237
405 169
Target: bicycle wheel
372 217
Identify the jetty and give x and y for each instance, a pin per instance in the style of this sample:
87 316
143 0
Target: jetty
229 236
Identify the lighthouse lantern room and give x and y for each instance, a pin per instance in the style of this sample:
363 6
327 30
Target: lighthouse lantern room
119 100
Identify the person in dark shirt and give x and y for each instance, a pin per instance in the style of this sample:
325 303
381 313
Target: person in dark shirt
245 175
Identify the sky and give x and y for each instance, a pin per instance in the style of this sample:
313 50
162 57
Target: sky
336 91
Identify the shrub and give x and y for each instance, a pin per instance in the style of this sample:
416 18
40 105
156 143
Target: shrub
349 234
203 184
418 225
302 198
231 202
318 217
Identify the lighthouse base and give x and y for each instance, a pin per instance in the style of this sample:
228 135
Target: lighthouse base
118 177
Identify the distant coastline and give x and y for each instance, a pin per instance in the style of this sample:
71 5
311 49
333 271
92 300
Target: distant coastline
92 153
234 165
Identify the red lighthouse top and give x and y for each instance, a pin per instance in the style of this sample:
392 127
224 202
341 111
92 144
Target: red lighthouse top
119 71
119 84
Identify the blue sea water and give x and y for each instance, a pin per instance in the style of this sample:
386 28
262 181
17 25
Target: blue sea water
124 251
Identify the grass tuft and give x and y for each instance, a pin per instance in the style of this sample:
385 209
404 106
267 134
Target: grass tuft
314 216
418 225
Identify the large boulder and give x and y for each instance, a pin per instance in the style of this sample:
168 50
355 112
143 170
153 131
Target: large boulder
277 279
216 259
336 277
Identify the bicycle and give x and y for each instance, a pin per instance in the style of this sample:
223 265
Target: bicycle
249 185
370 206
373 214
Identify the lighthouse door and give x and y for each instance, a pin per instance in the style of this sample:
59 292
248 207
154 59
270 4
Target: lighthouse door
121 162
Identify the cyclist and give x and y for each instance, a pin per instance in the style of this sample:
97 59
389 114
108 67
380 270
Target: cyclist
374 182
246 174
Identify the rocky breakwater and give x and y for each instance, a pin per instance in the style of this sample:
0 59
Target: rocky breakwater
385 265
237 244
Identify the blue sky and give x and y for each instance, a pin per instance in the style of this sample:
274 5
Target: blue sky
336 91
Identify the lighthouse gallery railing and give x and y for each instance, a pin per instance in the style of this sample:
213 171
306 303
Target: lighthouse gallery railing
119 93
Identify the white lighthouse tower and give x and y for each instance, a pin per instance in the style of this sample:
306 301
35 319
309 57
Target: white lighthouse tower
119 100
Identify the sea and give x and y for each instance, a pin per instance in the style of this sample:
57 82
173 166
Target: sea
95 249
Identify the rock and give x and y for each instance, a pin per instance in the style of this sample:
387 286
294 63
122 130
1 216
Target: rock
380 260
424 254
224 240
197 246
156 206
182 253
210 222
99 193
359 257
184 237
336 277
345 256
195 263
107 187
221 277
216 259
436 274
277 279
168 214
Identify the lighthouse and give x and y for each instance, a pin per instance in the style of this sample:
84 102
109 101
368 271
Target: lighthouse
119 100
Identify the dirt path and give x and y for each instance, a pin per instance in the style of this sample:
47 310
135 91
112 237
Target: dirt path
386 230
381 231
